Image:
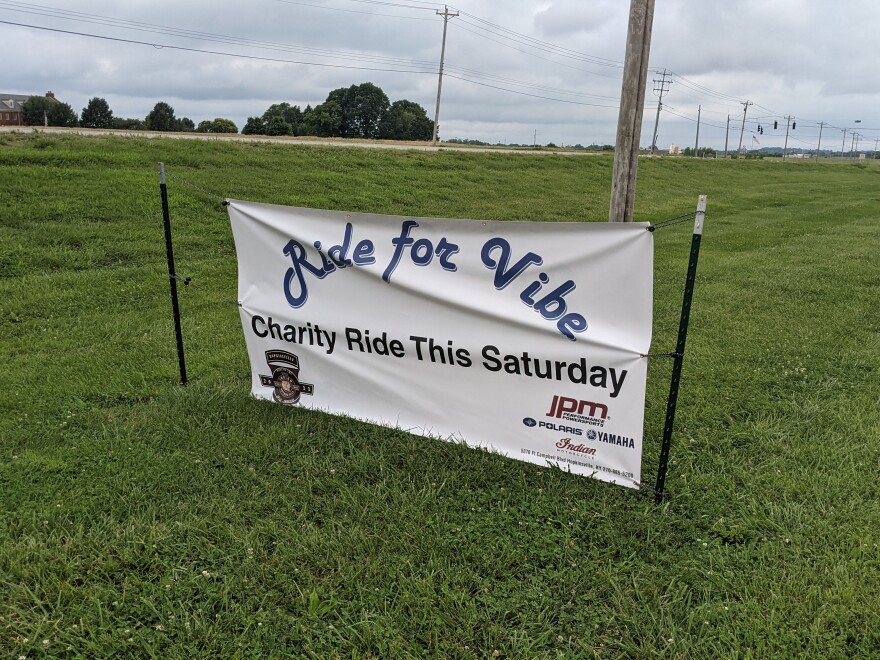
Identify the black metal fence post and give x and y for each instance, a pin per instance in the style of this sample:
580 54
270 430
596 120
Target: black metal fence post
172 274
679 350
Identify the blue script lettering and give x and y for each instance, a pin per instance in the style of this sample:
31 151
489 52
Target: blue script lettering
343 255
295 288
297 296
503 275
421 251
551 306
363 251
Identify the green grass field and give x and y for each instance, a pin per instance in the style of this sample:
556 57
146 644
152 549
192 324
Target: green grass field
139 518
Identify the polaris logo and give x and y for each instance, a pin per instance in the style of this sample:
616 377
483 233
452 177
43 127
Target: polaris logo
550 426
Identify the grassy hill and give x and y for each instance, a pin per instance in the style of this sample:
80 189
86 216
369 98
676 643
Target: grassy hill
141 518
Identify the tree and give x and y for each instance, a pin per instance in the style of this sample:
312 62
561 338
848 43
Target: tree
35 111
363 107
224 125
128 124
62 114
184 124
290 113
324 120
161 118
406 120
218 125
701 153
277 126
254 126
97 114
39 110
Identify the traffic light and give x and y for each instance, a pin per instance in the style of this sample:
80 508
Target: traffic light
775 125
793 124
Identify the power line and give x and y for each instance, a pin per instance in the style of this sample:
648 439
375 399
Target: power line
520 83
431 6
703 122
207 36
210 52
526 43
686 82
535 55
191 34
355 11
538 43
686 93
537 96
286 61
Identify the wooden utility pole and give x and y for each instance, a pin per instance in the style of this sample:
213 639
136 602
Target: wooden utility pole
742 129
785 148
632 105
819 146
726 136
446 16
661 87
697 141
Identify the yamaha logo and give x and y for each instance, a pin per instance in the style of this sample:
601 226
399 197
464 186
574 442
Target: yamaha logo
528 421
591 434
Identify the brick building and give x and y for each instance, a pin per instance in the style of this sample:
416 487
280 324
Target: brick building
10 108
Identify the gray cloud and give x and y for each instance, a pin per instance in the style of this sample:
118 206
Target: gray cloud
794 57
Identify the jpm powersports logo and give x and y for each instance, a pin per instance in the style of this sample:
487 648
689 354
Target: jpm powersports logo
579 411
285 378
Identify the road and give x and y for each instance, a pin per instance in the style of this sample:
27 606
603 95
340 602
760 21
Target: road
235 137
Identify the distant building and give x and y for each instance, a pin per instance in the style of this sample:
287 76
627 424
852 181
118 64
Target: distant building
674 150
10 108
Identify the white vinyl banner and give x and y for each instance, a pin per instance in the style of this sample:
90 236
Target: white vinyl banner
524 338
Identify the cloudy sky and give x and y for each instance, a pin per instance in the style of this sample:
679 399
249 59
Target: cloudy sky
516 71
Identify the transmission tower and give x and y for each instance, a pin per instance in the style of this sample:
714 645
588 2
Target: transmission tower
661 88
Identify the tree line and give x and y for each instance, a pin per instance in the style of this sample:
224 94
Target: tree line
39 110
359 111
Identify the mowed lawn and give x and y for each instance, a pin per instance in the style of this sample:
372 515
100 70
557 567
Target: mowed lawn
140 518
